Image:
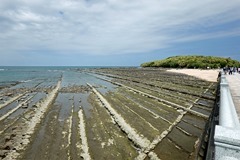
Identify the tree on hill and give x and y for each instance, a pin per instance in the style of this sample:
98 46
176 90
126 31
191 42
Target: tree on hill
202 62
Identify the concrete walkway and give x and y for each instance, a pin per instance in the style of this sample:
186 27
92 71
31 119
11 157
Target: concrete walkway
234 84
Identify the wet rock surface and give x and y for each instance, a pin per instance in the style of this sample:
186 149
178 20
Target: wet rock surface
75 89
125 113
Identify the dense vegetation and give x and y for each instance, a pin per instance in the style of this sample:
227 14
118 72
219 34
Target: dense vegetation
201 62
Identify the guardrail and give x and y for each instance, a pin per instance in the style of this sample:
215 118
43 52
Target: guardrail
227 114
227 133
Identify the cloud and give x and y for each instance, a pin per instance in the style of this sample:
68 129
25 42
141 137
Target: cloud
112 26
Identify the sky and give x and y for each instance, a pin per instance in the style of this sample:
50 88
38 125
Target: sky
115 32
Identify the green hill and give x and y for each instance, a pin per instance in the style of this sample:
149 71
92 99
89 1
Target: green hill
201 62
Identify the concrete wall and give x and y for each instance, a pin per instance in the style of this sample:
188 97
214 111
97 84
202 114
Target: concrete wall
227 133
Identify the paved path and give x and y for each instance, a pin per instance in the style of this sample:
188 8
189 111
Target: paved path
234 84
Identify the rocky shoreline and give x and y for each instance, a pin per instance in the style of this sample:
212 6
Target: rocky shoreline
122 113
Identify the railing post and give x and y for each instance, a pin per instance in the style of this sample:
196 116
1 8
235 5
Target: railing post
223 78
227 114
227 133
225 111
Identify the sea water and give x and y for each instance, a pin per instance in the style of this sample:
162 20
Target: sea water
29 77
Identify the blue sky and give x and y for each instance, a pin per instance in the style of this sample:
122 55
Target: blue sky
115 32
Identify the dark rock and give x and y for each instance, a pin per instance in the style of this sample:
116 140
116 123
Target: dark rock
13 128
3 154
8 146
12 135
24 106
7 138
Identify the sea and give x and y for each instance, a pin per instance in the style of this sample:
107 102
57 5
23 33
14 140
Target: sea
12 75
30 77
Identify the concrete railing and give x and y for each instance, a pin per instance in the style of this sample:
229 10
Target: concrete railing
227 113
227 133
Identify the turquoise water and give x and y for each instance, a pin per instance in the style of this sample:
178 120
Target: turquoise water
13 75
29 77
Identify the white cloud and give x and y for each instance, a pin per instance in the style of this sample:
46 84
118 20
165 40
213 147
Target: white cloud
112 26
